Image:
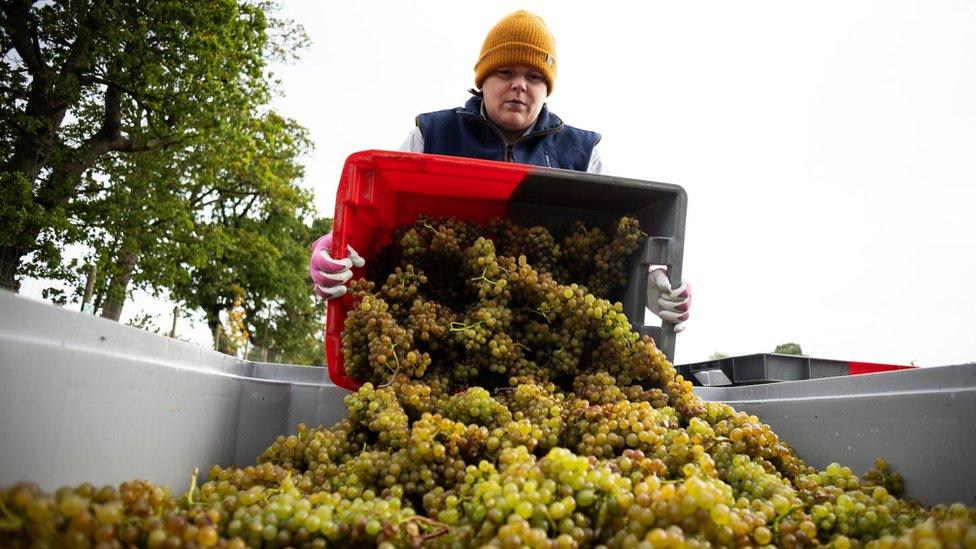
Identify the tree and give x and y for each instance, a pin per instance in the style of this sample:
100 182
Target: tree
213 223
84 79
138 129
788 349
145 228
249 237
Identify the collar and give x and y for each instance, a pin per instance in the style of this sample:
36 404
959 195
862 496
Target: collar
485 116
546 122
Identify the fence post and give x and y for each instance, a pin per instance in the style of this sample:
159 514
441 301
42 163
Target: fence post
176 312
86 307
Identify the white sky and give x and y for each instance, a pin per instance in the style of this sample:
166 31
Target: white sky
828 148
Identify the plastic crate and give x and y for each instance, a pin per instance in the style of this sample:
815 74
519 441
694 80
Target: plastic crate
380 190
771 367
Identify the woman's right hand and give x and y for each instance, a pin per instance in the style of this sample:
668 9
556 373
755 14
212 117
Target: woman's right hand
329 275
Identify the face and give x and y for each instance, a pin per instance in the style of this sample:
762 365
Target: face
513 98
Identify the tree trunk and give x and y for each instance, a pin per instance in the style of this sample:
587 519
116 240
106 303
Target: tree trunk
46 108
118 285
31 153
9 263
213 321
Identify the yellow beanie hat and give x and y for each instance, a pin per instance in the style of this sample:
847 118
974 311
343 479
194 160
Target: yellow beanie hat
521 38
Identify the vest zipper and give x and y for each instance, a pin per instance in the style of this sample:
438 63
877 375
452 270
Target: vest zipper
509 147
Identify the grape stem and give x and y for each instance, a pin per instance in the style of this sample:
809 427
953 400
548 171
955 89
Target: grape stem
396 370
552 521
550 357
440 526
601 519
460 326
405 277
11 522
193 486
781 517
482 277
538 312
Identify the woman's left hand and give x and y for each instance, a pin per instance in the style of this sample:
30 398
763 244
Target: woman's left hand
672 305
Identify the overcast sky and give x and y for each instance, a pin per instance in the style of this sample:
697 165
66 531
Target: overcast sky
828 148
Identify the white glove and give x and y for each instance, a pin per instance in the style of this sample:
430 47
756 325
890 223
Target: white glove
670 304
329 275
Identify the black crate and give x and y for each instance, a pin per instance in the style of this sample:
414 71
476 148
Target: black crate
555 198
761 368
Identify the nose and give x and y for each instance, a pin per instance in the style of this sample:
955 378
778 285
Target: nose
519 83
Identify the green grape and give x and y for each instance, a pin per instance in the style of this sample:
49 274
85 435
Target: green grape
506 403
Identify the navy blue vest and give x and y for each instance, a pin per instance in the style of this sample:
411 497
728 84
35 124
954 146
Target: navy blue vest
465 132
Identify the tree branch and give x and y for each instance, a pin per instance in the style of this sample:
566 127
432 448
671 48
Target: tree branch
93 190
78 59
196 200
23 36
93 79
250 204
37 41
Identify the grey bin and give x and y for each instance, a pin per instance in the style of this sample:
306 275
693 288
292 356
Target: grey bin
87 399
922 421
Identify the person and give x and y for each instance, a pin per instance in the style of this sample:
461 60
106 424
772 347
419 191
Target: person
506 119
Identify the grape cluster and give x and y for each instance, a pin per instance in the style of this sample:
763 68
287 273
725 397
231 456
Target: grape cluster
377 348
536 243
378 411
602 388
609 259
882 475
503 407
588 255
475 405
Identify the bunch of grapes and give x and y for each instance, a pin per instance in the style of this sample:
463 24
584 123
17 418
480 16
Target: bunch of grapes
503 406
536 243
377 348
609 259
882 475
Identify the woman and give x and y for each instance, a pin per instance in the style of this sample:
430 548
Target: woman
506 120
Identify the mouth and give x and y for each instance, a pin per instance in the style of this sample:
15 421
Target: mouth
515 103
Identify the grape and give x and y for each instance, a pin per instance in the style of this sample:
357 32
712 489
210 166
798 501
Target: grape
506 403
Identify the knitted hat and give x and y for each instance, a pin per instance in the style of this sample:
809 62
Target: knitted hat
521 38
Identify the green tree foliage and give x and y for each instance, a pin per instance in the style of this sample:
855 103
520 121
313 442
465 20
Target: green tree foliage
83 79
217 221
140 131
788 349
250 240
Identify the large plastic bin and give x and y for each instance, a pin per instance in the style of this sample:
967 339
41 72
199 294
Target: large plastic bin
86 399
380 190
921 420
